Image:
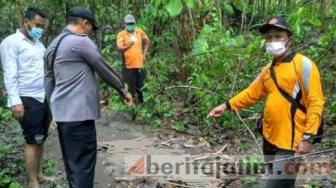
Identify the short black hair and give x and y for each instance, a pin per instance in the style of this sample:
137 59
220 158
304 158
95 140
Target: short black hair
73 20
31 12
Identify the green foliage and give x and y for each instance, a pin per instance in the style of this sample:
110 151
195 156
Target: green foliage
251 164
49 166
14 185
8 182
174 7
179 127
250 180
313 184
222 59
9 164
5 116
5 149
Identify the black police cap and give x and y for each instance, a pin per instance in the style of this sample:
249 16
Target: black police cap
84 13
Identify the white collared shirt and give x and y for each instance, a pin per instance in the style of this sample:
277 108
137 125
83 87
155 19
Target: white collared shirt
22 64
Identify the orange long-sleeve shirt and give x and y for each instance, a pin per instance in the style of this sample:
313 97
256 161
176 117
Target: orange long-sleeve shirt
277 128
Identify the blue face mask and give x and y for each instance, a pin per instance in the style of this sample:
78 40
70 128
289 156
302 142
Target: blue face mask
130 27
35 33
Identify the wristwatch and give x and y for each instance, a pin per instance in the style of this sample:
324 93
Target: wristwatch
307 138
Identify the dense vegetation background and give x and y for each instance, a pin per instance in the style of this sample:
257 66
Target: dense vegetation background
202 53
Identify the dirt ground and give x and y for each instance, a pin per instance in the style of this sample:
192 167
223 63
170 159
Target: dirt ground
119 137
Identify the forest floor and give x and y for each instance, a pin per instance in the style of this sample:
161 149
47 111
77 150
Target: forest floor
122 142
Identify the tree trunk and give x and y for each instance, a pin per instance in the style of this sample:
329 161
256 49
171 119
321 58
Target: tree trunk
19 11
324 5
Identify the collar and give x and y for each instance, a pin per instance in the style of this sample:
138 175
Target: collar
67 30
20 35
125 30
288 58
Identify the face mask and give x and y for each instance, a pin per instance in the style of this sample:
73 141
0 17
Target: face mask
130 28
276 48
35 33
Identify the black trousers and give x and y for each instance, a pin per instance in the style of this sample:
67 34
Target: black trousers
135 80
79 149
278 177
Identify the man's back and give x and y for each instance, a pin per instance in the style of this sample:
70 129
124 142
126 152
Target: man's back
75 96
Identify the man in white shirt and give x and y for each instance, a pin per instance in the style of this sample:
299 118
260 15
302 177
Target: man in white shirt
23 68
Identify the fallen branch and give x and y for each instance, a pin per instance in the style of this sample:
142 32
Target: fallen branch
240 118
301 156
222 149
191 87
249 130
177 184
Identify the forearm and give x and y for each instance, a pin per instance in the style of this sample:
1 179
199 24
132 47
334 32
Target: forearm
12 88
110 77
145 50
49 80
9 67
93 57
314 111
14 99
49 84
313 123
315 103
123 49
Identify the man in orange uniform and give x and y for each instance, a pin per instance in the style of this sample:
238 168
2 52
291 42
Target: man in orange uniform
133 44
287 126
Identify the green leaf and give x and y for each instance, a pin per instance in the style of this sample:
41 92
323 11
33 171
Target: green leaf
179 127
174 7
14 185
156 2
240 40
191 4
315 22
5 149
228 9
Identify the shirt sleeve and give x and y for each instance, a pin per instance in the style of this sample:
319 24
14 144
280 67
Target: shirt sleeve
49 80
145 39
120 41
9 54
315 99
254 93
90 53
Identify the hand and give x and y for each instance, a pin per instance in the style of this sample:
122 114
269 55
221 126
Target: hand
18 111
304 148
134 38
128 99
53 125
130 44
218 111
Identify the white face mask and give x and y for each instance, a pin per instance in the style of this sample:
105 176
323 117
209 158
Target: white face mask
276 48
